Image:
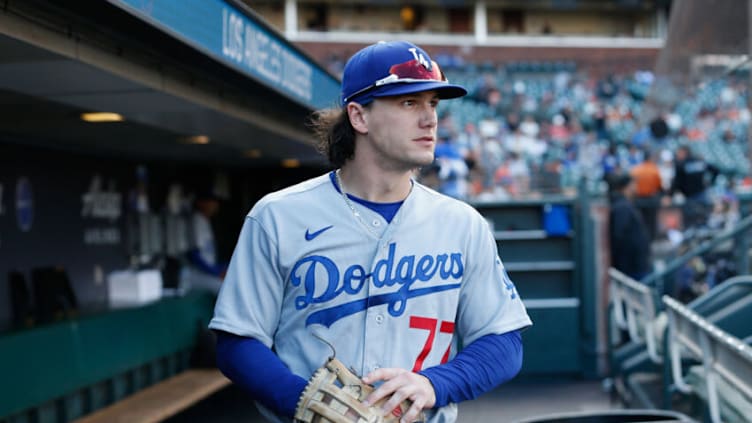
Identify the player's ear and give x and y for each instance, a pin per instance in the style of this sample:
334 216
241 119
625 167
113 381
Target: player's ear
356 114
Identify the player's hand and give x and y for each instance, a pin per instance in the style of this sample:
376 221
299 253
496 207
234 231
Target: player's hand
401 384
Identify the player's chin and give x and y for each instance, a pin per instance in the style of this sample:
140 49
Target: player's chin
423 158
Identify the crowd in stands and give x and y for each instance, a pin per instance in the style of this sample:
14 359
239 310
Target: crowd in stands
531 129
540 128
526 130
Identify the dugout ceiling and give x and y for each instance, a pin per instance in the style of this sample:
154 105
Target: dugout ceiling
169 69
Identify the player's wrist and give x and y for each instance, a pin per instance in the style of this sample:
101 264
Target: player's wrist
440 395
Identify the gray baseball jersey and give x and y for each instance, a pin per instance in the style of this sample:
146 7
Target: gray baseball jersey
402 294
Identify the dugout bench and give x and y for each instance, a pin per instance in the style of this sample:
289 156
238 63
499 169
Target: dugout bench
131 364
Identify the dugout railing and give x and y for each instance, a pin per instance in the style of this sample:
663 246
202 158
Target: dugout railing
636 314
638 362
633 342
722 370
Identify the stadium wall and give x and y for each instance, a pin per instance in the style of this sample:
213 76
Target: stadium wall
598 61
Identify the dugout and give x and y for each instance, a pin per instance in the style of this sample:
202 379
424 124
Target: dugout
70 190
207 97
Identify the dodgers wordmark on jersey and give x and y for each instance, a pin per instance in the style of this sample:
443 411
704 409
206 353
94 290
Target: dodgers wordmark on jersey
401 294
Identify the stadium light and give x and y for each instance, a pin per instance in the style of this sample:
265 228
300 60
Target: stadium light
101 117
290 163
253 153
196 139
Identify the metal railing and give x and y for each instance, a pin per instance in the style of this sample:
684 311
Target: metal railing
737 233
722 355
635 310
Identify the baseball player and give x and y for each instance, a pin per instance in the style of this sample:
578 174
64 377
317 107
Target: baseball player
403 282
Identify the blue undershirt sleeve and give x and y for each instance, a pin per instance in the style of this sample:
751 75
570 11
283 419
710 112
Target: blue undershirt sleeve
257 370
481 366
194 256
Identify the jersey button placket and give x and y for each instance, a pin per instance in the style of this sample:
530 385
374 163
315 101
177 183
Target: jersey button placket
376 327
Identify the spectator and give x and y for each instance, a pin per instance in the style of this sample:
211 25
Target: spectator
648 189
204 271
469 144
610 161
491 157
629 242
692 176
452 167
529 126
519 171
666 168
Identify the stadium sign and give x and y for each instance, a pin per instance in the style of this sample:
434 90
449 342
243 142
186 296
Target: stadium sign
232 37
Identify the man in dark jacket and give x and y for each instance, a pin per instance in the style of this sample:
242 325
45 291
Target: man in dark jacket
630 243
691 178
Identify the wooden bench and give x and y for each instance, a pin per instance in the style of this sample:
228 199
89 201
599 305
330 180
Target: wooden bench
163 400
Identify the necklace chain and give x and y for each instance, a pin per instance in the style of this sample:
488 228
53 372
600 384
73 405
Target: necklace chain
349 203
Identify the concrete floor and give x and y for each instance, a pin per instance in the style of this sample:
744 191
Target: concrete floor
520 399
525 399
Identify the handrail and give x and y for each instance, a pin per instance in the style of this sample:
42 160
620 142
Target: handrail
741 226
630 297
722 354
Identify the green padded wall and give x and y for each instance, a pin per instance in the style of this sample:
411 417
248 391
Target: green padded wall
56 361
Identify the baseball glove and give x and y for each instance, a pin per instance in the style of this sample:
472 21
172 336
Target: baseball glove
334 394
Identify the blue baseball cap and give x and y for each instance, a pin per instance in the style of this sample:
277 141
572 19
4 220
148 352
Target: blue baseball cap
393 68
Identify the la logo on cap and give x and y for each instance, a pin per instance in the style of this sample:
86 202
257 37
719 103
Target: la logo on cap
420 58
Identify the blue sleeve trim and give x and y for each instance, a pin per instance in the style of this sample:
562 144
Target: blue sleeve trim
481 366
194 256
257 370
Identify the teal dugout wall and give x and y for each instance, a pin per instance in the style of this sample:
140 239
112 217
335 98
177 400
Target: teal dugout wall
61 371
547 245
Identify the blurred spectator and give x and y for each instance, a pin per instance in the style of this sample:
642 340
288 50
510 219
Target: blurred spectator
558 130
658 129
429 176
529 126
692 176
490 159
629 242
204 271
451 166
634 157
610 161
607 87
666 169
648 190
469 145
725 213
519 172
486 90
547 179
